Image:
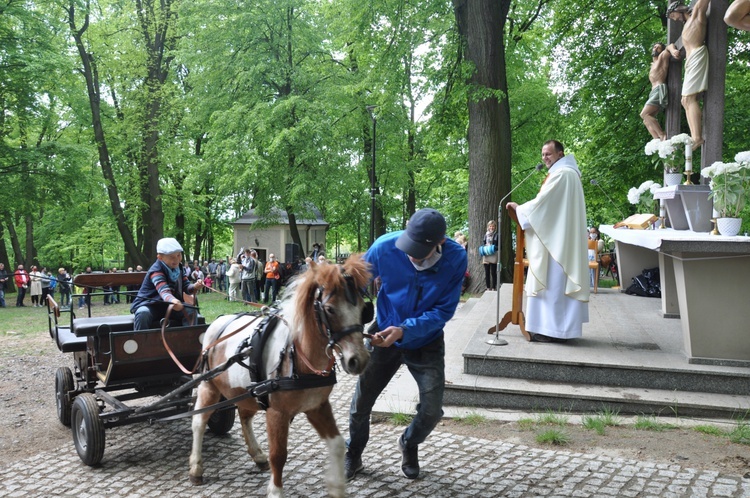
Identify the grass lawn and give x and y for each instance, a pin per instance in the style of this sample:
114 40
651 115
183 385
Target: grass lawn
28 320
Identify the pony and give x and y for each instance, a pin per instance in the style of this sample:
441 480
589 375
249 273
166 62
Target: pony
321 316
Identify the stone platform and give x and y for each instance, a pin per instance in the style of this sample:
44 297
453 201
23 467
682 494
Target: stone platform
630 359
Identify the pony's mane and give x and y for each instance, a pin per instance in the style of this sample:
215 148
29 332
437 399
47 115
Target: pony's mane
331 278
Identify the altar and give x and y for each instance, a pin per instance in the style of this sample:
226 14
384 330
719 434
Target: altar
705 282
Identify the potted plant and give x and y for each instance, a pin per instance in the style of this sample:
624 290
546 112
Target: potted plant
730 183
671 155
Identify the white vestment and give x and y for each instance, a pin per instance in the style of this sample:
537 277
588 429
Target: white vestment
557 284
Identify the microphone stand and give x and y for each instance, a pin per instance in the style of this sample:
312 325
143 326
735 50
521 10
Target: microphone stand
495 340
594 181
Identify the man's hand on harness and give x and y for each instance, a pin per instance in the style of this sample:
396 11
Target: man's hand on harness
386 338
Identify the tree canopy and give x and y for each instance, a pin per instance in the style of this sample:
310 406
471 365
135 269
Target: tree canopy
126 122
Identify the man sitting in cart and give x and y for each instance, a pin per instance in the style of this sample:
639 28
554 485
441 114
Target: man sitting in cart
164 284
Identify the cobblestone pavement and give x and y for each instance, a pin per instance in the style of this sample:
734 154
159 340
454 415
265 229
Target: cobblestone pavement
152 461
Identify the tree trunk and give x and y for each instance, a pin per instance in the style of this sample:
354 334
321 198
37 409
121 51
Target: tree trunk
481 24
14 242
294 231
91 75
10 284
156 22
30 251
411 192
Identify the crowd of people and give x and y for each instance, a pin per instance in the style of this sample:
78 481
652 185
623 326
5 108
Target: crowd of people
38 283
243 278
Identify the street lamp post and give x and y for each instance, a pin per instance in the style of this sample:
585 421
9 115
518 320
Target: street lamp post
370 109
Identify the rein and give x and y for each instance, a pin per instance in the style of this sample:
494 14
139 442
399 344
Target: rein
249 303
198 362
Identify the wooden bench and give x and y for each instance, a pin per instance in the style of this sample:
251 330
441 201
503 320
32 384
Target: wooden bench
117 279
102 284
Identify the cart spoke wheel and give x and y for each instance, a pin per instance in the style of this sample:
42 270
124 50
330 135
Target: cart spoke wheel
88 429
63 385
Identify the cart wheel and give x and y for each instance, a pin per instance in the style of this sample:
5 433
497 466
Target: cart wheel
221 421
88 429
63 385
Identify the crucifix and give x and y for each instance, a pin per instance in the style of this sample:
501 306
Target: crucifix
707 125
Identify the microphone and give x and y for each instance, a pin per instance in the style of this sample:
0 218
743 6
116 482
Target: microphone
595 182
538 167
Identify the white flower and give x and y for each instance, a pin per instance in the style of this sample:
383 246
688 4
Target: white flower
710 171
634 195
645 186
732 168
652 146
653 188
743 157
720 168
666 149
681 139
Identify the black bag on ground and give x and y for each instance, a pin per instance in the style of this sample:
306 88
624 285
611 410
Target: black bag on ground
646 284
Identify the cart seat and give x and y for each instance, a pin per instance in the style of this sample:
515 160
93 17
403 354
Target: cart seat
102 325
67 341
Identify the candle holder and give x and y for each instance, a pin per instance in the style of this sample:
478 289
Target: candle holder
688 163
688 180
715 231
662 222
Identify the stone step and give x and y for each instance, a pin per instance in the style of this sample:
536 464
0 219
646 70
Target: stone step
638 376
537 396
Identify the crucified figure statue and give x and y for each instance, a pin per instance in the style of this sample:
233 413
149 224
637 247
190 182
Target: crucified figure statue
738 15
657 99
695 80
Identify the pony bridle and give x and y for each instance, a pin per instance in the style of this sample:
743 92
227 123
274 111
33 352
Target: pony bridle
320 301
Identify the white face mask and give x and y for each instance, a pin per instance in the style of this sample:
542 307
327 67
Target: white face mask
592 236
429 262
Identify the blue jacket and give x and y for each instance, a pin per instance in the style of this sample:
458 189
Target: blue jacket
421 302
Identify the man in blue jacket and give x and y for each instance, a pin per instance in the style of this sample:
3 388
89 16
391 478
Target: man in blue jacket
420 273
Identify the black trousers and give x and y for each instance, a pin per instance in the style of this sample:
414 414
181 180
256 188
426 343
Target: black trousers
490 275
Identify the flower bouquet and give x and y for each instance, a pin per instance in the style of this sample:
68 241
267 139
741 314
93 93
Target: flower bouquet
730 183
643 196
670 154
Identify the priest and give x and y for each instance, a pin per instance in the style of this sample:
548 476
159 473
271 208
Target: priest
557 284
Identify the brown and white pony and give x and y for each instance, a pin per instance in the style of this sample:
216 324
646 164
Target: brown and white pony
322 313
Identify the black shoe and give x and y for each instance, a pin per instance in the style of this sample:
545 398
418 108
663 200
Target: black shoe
409 459
352 465
546 338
